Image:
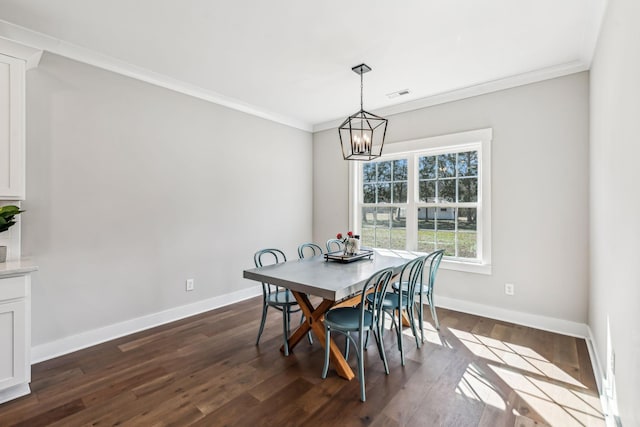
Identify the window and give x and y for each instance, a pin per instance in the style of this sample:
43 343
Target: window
426 195
384 194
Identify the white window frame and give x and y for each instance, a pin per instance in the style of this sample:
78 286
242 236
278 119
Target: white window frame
479 140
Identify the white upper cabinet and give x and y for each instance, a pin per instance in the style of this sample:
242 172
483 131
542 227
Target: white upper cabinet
15 59
12 128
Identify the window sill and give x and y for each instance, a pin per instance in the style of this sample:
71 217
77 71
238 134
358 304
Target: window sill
467 267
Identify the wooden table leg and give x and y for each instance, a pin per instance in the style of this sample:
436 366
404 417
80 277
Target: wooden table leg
405 319
314 321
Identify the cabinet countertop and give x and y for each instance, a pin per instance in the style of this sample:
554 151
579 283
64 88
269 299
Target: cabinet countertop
16 268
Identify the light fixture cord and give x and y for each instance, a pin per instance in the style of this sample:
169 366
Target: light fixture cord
361 88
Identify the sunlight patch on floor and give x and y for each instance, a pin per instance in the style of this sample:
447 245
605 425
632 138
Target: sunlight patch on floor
556 404
513 355
474 385
555 396
431 335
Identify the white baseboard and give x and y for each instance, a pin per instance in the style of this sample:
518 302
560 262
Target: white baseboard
595 360
14 392
551 324
609 406
86 339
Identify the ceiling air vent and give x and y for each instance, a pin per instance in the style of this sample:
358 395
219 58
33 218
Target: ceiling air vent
397 93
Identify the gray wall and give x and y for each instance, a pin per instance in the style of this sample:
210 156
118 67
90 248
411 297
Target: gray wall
615 175
131 189
539 193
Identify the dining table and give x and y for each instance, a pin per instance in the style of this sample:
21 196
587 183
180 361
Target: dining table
336 283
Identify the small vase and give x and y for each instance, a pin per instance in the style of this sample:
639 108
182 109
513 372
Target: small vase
351 246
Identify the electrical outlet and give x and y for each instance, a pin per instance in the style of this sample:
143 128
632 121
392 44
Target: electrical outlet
509 288
190 285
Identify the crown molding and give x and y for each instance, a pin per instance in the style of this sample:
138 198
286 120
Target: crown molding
596 12
471 91
39 41
28 54
35 42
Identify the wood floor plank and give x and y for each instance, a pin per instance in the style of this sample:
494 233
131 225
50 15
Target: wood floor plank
46 418
229 413
587 378
115 388
565 350
93 415
206 370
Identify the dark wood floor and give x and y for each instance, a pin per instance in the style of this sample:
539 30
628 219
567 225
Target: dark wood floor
206 371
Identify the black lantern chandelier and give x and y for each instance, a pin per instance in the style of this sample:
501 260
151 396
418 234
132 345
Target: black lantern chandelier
362 134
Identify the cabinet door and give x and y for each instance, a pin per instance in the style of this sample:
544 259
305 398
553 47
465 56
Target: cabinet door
12 345
12 130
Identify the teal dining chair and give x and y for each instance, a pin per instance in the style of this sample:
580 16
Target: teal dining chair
309 248
362 319
335 245
400 302
425 288
275 296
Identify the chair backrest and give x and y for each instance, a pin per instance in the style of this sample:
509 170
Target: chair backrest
334 245
269 256
310 248
379 281
433 261
411 274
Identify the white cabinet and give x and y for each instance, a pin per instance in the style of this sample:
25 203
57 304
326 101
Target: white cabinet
12 128
15 336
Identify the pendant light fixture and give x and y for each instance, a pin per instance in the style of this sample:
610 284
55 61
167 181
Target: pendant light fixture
362 134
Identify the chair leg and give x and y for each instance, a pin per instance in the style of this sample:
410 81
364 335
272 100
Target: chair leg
309 337
285 328
395 325
434 315
361 366
421 319
412 321
264 318
392 313
399 330
327 343
381 352
384 318
346 346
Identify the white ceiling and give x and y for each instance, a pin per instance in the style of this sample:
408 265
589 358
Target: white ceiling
291 60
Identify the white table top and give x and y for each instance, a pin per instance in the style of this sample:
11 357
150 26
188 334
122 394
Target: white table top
327 279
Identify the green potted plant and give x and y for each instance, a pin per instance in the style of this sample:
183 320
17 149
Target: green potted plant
7 214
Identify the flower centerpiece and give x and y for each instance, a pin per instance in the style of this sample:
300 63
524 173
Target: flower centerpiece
351 243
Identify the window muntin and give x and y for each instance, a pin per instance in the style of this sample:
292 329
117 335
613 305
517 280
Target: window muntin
449 228
442 207
384 196
449 179
383 227
385 181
